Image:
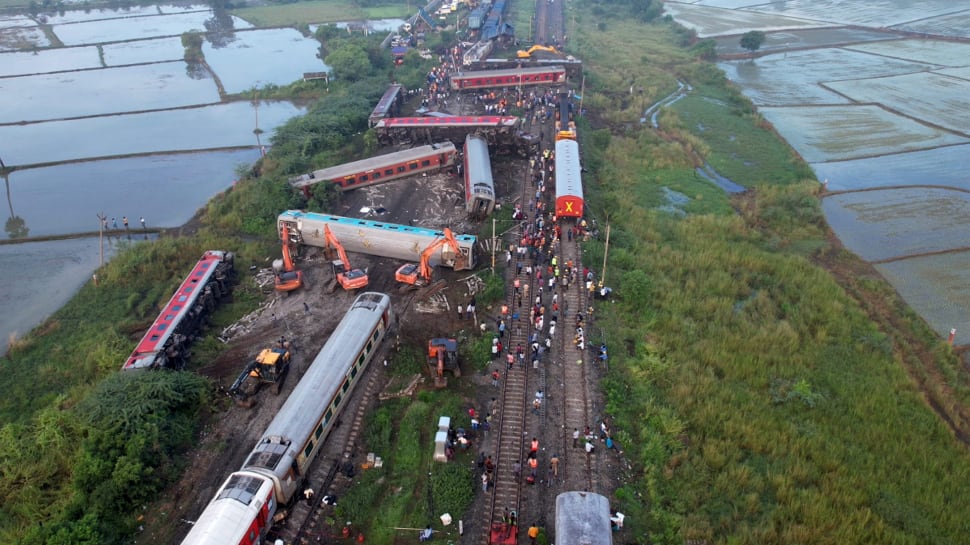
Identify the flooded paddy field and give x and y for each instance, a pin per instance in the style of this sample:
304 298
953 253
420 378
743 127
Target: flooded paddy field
67 265
224 125
833 133
165 189
937 99
143 51
795 78
711 21
45 61
926 51
892 223
270 56
876 113
936 288
945 166
135 28
867 13
106 91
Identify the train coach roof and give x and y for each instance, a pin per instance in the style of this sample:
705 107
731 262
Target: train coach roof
294 215
527 71
450 121
373 163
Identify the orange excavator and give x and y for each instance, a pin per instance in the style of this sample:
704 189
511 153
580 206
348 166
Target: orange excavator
419 274
443 356
348 277
287 277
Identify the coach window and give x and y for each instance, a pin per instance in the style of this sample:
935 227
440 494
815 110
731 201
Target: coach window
308 449
328 416
336 400
375 175
426 163
344 387
413 166
389 172
362 178
402 168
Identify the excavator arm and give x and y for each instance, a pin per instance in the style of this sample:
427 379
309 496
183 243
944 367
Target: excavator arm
349 278
406 273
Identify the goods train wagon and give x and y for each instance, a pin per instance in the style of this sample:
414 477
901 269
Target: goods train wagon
479 187
569 181
382 168
242 510
503 133
404 242
389 105
583 517
485 79
165 344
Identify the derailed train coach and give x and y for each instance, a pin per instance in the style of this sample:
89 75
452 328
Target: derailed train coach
243 508
404 242
479 185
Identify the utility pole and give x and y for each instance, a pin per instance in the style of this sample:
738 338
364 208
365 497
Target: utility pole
101 219
494 243
606 252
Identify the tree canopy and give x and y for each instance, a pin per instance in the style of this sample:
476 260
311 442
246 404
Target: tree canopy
752 40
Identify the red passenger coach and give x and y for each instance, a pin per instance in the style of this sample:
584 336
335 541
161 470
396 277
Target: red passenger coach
382 168
486 79
166 342
569 181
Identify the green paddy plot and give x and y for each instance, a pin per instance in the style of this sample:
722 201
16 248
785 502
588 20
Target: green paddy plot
834 133
936 287
793 78
956 24
934 98
870 13
938 52
710 21
893 223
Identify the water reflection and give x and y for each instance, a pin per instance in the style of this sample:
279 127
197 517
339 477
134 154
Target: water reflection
15 226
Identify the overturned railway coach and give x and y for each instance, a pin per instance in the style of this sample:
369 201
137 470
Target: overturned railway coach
502 132
516 77
165 344
479 185
382 168
404 242
243 508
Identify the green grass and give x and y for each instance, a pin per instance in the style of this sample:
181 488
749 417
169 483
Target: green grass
756 400
318 11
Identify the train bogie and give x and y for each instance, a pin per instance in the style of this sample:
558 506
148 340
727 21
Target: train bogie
479 185
404 242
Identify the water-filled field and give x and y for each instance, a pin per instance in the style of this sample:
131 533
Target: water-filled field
21 63
936 287
134 28
216 126
937 99
834 133
798 39
708 21
926 51
946 166
273 56
869 13
103 91
957 24
160 49
892 223
794 78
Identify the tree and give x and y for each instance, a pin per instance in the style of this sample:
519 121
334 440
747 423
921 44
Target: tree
752 40
349 62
